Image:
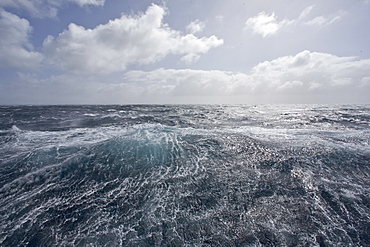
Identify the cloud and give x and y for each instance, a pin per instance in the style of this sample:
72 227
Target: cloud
35 8
266 25
89 2
315 70
188 82
15 48
195 26
324 21
139 39
190 58
40 8
307 73
307 77
306 12
56 89
220 19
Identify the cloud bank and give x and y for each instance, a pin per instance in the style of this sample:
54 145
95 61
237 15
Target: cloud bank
139 39
307 77
307 73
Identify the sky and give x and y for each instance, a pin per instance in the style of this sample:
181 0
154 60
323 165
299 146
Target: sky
184 52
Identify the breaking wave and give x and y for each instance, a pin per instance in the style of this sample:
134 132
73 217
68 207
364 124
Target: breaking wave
185 175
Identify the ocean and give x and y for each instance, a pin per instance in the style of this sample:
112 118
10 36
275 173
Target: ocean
185 175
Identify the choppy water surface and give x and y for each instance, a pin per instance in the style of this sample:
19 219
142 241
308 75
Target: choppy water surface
185 175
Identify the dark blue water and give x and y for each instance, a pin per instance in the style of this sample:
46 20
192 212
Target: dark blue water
149 175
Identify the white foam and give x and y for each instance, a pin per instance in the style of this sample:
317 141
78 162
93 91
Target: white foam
15 128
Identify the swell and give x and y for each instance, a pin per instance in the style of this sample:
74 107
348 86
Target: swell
154 184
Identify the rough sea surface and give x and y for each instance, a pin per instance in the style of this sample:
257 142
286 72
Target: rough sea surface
185 175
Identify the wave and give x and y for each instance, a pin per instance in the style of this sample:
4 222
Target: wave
145 183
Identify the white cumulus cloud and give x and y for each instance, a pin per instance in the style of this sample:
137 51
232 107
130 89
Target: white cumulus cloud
139 39
313 69
15 49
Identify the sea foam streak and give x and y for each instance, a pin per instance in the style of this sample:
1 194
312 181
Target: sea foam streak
185 175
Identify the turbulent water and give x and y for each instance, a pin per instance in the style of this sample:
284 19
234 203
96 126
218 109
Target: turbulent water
212 175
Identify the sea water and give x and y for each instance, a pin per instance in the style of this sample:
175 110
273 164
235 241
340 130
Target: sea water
185 175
